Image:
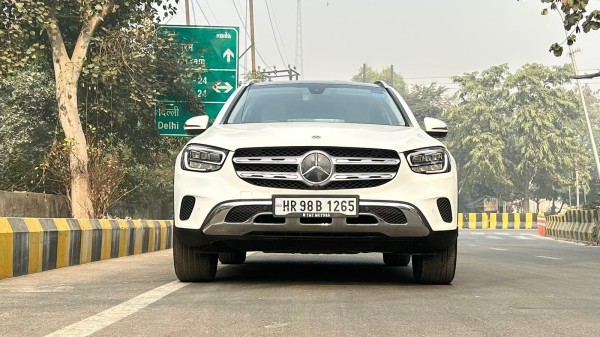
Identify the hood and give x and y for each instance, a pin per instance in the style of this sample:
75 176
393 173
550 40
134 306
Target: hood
234 136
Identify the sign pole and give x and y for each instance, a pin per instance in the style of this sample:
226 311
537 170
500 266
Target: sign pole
187 12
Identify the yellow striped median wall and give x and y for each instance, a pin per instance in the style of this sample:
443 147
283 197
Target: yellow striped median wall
31 245
577 225
497 220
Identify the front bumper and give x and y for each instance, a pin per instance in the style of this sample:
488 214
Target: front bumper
412 223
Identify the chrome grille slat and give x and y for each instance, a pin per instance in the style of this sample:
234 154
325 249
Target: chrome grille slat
269 175
365 161
266 160
363 176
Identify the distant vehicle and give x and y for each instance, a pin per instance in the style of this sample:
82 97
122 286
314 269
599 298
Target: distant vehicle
315 167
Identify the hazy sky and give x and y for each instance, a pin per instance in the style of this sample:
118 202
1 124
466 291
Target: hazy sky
426 40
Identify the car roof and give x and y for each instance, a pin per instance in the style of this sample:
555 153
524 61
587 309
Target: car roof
293 83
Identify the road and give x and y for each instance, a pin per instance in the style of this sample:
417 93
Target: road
508 283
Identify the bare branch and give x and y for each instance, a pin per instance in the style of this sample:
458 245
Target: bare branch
586 76
87 32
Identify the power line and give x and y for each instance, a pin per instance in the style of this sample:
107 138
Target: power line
202 11
279 34
274 35
211 11
193 12
248 34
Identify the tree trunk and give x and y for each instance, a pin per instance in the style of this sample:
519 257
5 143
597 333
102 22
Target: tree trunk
66 95
525 203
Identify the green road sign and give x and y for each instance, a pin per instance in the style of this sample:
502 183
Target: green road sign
217 48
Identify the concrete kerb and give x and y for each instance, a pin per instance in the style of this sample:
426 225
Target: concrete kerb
31 245
577 225
497 220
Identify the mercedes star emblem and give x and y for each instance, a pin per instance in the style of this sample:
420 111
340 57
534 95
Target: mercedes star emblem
316 167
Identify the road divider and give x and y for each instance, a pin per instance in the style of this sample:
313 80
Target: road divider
497 220
578 225
31 245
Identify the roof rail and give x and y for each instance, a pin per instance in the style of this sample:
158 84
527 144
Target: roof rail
382 84
250 82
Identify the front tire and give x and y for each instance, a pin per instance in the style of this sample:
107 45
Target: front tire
396 260
232 257
438 268
191 265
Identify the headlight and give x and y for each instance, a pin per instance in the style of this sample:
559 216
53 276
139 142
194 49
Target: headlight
431 160
202 158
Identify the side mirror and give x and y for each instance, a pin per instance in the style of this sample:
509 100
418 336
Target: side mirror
196 125
435 127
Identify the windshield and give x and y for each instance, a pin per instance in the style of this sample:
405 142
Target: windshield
316 102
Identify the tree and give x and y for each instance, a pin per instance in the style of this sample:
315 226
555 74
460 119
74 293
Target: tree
124 51
427 101
27 123
516 135
577 15
368 74
478 139
545 142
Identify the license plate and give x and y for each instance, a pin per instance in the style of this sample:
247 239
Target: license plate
315 207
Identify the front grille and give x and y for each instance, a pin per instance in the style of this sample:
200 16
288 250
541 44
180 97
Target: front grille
301 150
299 185
240 214
445 209
317 235
391 215
187 206
280 167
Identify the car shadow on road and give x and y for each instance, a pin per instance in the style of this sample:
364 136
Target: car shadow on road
315 272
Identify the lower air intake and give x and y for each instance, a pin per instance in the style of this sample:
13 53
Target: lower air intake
187 206
445 209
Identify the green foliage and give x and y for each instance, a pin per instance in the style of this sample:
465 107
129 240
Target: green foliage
427 101
577 16
27 123
478 139
517 135
126 67
371 75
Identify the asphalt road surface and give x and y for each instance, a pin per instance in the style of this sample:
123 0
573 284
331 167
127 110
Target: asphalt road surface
508 283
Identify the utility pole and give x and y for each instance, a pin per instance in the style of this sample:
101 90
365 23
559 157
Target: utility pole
253 49
585 109
364 72
392 75
187 12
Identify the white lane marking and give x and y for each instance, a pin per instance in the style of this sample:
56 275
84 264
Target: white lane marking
494 237
500 249
521 237
548 257
472 245
103 319
505 234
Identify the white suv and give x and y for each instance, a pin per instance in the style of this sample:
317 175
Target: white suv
315 167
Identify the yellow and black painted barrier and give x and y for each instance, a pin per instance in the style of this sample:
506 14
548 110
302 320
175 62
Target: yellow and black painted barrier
577 225
497 220
31 245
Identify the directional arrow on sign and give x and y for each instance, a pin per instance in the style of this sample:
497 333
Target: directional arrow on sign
226 87
228 54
